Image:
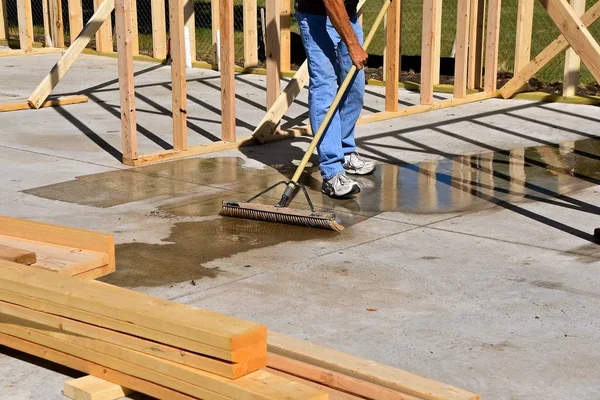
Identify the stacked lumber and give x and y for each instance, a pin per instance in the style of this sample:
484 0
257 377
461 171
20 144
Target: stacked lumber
350 377
70 251
157 347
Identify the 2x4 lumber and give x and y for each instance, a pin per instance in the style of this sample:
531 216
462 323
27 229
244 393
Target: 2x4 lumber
547 55
268 125
62 259
572 60
334 380
392 52
430 11
227 72
384 116
576 33
250 34
3 21
259 385
272 51
104 38
438 43
91 388
238 356
48 42
365 370
126 86
135 41
75 19
41 93
159 29
333 394
158 352
215 25
25 24
476 44
189 17
91 368
462 48
138 309
285 50
15 254
32 52
492 46
22 104
56 23
524 34
178 87
59 235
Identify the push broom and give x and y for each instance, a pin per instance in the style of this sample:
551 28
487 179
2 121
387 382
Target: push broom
281 213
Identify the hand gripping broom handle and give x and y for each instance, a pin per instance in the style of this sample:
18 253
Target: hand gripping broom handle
289 190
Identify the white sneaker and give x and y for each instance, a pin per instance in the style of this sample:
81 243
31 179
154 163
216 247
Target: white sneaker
340 186
356 165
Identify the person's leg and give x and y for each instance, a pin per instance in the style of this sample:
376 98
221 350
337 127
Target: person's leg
352 103
322 58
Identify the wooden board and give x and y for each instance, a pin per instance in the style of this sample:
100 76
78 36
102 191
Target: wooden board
428 58
91 368
250 34
365 370
3 21
126 89
189 17
576 33
272 51
61 259
228 123
333 393
259 385
547 55
74 238
492 46
91 388
462 48
159 29
104 38
75 19
242 355
334 380
392 53
476 44
23 104
41 93
32 52
56 23
25 24
15 254
162 352
572 60
215 22
135 37
285 47
203 326
178 82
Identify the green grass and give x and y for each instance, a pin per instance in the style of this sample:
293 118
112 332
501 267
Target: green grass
544 33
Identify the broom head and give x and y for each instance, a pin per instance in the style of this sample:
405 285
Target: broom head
281 215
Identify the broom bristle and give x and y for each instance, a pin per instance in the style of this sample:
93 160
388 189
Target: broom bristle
281 215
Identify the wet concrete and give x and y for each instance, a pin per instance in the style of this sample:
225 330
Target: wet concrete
193 244
465 183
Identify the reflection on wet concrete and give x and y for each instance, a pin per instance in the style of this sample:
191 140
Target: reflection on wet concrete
449 185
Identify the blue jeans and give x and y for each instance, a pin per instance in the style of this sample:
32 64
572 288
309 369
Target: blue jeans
328 65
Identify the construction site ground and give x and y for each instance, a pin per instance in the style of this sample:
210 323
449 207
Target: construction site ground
469 256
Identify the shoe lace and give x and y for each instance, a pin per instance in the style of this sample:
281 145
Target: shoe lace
343 179
356 160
